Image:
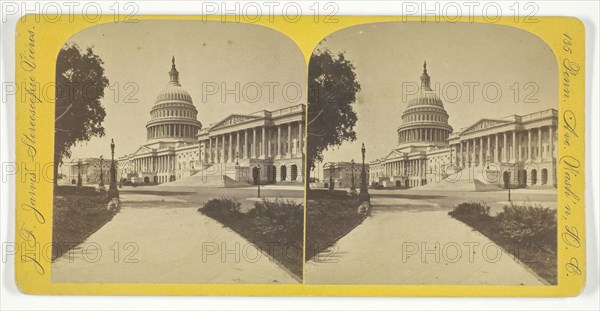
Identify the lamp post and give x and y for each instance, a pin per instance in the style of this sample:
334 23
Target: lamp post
258 179
113 192
237 166
79 182
331 171
101 173
364 195
353 187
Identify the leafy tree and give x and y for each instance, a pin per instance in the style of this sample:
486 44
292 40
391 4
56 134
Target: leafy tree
80 84
331 94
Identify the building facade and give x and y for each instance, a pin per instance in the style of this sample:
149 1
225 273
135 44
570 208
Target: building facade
265 146
341 174
514 151
92 171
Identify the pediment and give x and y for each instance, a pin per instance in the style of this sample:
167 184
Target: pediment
233 120
393 154
141 149
484 124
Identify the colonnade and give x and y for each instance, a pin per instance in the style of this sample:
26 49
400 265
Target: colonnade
256 142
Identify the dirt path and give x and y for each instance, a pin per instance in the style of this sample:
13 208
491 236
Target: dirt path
408 241
162 239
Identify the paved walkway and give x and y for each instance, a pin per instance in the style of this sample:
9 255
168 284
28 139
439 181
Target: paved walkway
169 242
397 245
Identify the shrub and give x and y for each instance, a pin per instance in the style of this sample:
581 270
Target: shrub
221 207
276 227
277 208
73 190
75 218
527 222
471 209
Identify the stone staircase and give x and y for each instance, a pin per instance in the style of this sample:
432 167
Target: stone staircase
220 175
464 180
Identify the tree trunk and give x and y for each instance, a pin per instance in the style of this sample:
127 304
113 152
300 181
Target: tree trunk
307 177
55 176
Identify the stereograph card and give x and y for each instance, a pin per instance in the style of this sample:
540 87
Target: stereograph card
373 156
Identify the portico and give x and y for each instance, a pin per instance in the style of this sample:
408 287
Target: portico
522 145
270 140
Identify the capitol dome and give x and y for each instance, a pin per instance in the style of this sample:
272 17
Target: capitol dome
424 122
174 93
173 116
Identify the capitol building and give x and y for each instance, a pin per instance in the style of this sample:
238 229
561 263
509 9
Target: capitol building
242 149
515 151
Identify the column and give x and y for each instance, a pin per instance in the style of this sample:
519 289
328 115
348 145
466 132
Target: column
514 145
279 141
289 144
489 147
497 148
222 160
481 151
474 155
467 154
551 143
264 144
254 143
539 153
246 144
210 150
462 160
237 144
505 149
230 148
300 138
528 145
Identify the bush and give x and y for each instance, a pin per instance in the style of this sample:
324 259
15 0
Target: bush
527 232
221 207
526 222
74 190
328 219
75 218
276 209
276 227
471 209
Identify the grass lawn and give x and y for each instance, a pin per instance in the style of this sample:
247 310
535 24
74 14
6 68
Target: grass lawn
329 217
276 227
526 232
78 213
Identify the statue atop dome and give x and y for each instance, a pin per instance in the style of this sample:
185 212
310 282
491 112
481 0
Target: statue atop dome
425 80
174 74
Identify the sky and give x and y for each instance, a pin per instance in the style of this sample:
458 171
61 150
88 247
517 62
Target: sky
137 60
389 61
388 58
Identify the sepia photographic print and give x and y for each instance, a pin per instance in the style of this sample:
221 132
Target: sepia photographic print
180 155
432 156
